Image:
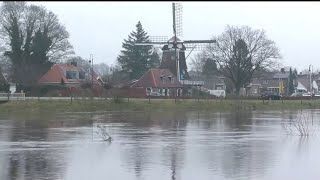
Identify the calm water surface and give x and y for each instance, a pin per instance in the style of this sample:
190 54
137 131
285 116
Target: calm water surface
158 146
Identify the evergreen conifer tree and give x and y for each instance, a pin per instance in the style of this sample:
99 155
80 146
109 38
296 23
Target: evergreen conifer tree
209 67
291 85
136 60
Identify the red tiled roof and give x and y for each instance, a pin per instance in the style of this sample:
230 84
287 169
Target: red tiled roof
152 79
57 72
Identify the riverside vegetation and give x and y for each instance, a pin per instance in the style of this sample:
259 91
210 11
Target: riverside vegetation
124 104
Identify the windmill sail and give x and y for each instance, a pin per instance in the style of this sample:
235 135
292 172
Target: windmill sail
173 57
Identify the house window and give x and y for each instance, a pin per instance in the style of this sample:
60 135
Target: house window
189 91
265 82
71 74
82 75
162 78
148 91
155 90
179 92
68 75
164 92
170 78
255 91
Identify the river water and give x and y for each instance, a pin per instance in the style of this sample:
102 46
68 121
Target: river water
158 146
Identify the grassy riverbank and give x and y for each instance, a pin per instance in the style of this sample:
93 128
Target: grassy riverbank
29 106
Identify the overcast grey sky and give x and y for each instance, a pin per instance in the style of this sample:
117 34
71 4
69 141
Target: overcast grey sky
100 27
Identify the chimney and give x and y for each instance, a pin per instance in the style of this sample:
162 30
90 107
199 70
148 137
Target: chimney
282 70
74 63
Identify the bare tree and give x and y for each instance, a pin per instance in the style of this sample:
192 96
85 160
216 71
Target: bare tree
198 62
84 63
241 51
34 39
305 71
102 69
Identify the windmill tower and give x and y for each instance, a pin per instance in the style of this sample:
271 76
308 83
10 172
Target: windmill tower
173 57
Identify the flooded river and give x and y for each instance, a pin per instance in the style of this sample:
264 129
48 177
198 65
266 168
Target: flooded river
158 146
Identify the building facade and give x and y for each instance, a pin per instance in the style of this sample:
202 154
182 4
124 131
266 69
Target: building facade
157 82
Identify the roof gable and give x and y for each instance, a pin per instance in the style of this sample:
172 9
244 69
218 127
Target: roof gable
301 86
152 79
305 82
281 75
54 75
58 72
269 83
173 39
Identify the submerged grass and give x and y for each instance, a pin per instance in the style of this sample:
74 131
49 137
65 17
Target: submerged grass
81 105
303 125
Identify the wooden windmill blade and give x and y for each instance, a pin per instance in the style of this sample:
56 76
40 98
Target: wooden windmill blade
176 12
199 41
173 57
178 19
150 43
158 38
197 45
154 40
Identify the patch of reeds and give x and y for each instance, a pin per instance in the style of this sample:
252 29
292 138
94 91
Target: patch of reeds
102 132
303 125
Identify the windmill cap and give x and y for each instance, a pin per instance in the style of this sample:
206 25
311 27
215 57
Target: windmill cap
173 39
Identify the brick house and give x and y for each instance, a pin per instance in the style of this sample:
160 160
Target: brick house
212 82
71 74
270 81
254 88
73 77
304 80
156 82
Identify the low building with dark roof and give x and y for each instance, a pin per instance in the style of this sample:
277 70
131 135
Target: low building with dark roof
254 88
276 82
157 82
307 84
212 82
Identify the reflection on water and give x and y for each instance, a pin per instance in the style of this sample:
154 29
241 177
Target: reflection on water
157 145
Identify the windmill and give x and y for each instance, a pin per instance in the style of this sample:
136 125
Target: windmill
173 57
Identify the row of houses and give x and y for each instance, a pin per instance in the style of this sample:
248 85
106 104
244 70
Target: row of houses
162 82
279 82
155 82
70 75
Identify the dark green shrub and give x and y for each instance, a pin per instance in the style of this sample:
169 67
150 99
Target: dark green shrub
117 99
4 87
